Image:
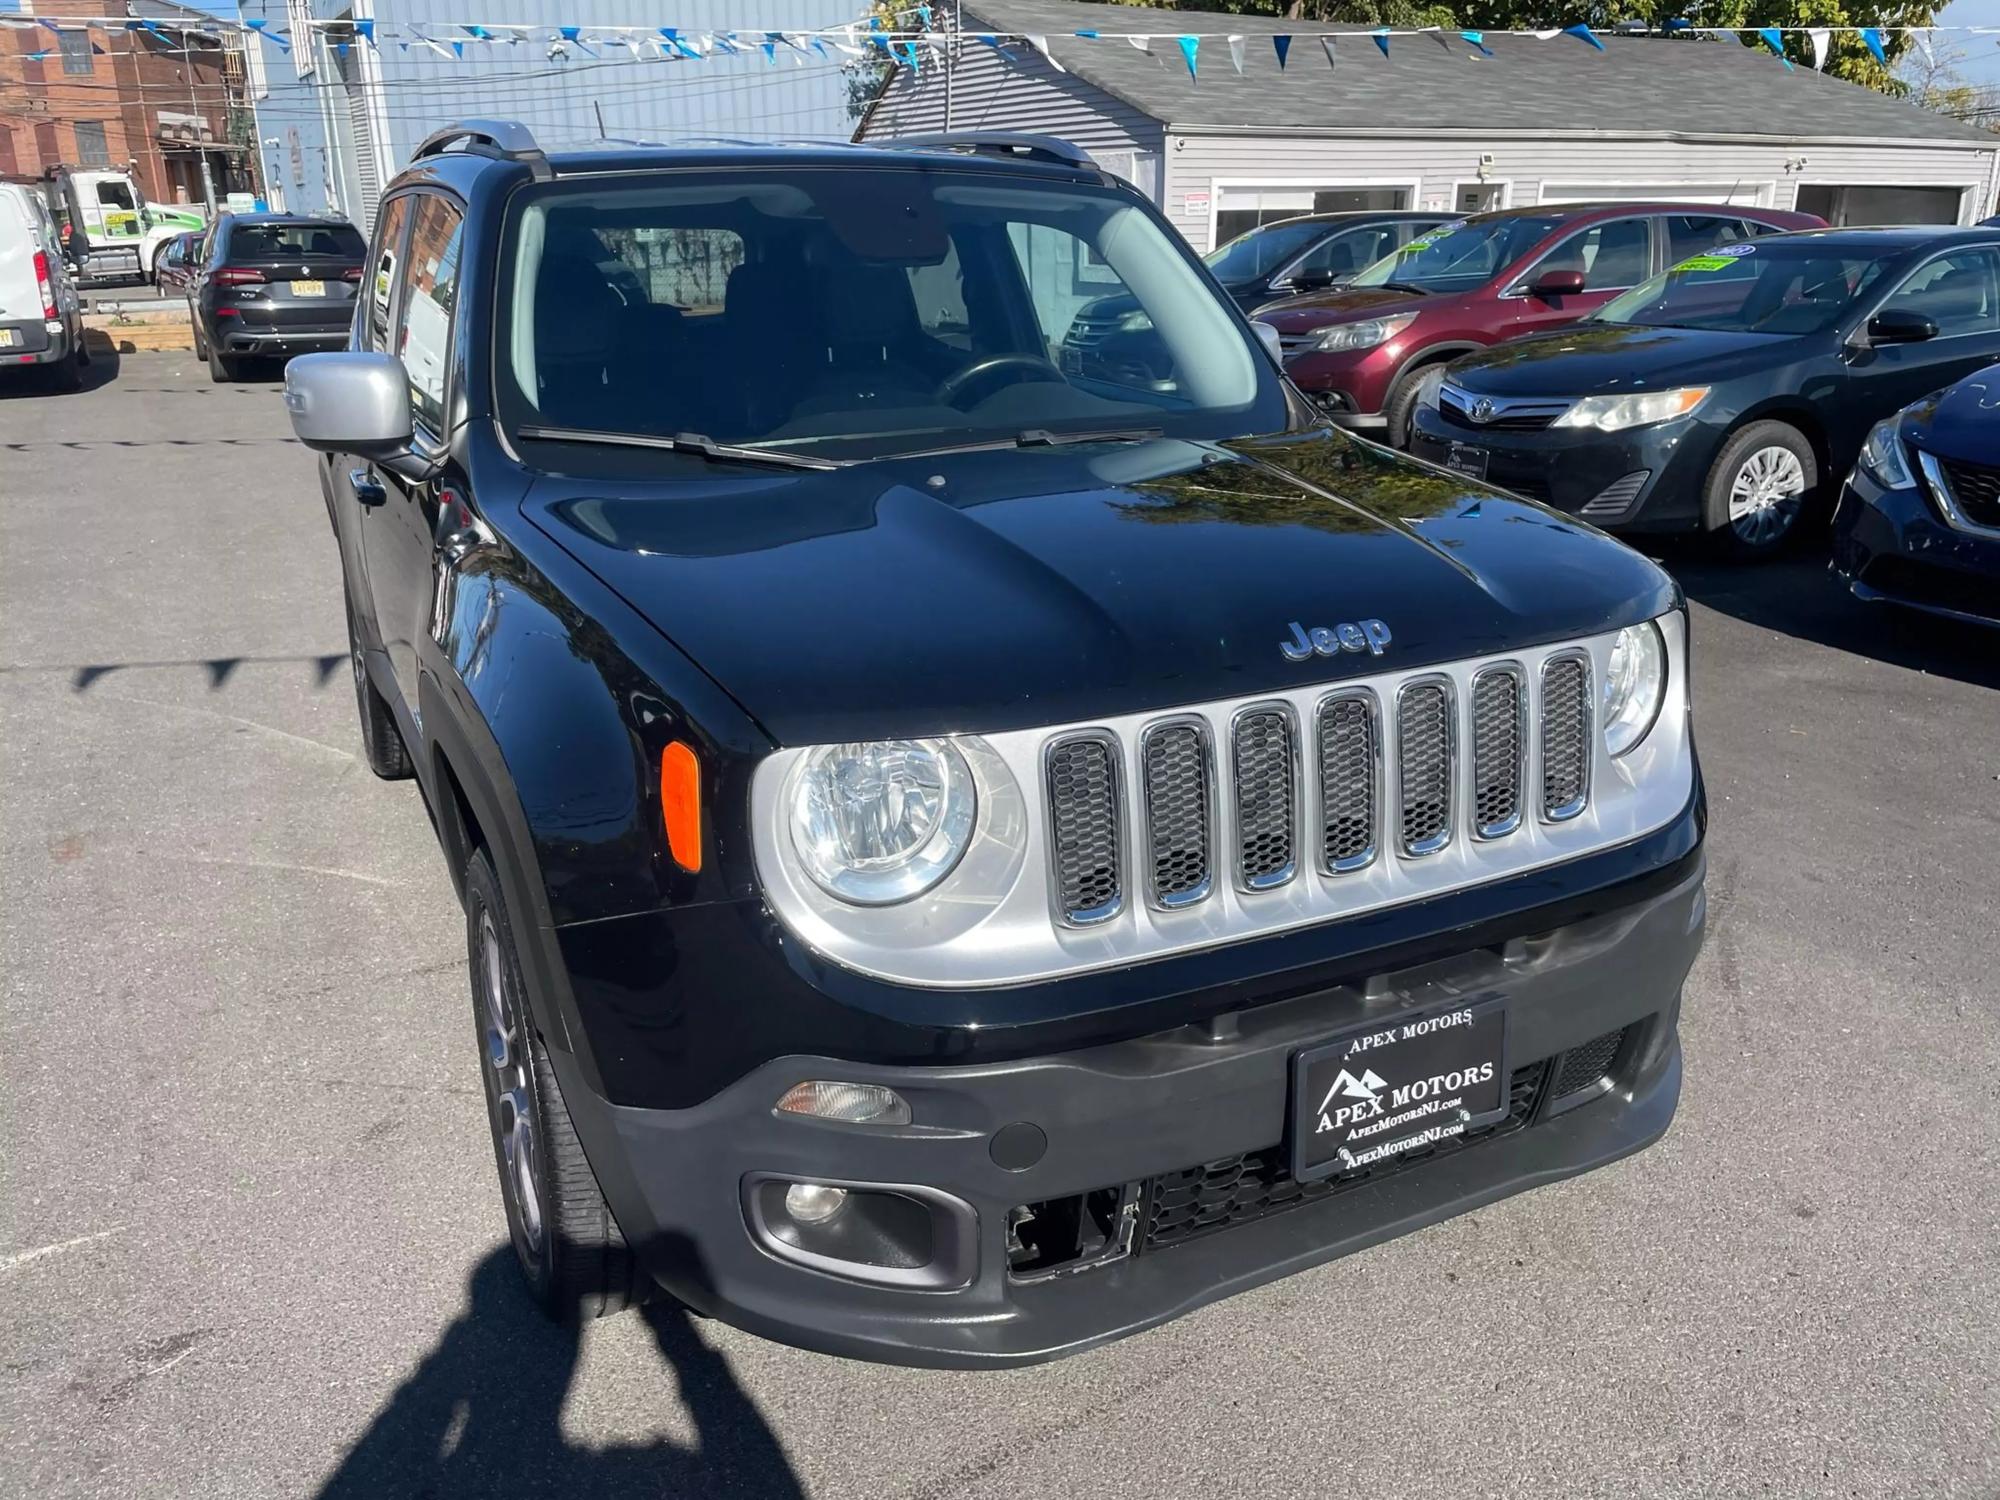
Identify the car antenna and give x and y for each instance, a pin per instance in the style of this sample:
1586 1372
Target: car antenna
602 133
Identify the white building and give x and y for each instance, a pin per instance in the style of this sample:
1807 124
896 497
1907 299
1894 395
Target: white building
1436 125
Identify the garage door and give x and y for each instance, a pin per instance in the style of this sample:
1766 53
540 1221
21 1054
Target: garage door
1744 194
1880 205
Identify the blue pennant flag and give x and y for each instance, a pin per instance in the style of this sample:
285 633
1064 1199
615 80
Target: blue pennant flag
270 36
1680 23
909 51
479 31
924 15
1091 34
1382 39
458 49
1282 45
365 29
1775 40
770 52
1190 50
41 56
569 33
1583 34
1476 40
341 48
1873 37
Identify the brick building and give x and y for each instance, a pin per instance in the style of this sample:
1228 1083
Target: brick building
157 100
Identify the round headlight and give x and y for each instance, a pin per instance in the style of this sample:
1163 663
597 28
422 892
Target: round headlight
1635 684
878 823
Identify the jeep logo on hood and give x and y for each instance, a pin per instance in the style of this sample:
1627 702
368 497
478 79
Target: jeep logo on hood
1325 640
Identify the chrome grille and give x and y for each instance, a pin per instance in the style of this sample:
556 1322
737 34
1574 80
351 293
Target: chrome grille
1087 331
1264 755
1499 746
1565 736
1423 765
1174 762
1350 765
1501 413
1083 805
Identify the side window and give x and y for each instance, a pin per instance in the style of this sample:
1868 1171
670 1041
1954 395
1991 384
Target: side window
1081 307
382 277
1955 291
430 287
1690 234
1612 256
939 294
1347 253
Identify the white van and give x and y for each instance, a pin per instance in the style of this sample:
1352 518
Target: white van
41 316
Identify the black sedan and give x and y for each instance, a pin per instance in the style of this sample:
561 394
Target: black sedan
1919 520
272 285
1721 394
1312 252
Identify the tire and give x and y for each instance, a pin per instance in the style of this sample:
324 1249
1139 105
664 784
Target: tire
223 368
381 741
200 343
65 377
571 1251
1402 401
1759 490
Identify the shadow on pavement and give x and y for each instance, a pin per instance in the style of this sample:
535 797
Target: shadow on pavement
33 384
483 1416
1798 596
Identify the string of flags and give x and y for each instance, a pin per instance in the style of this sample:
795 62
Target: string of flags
910 37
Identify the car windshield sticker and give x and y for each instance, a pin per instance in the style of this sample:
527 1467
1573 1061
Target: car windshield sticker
1431 237
1704 263
1735 250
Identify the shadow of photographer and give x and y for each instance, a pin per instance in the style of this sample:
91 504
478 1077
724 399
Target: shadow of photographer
482 1415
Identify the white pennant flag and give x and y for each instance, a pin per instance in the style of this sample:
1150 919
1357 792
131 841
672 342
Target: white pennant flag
1543 36
1041 45
1820 36
1236 52
1143 43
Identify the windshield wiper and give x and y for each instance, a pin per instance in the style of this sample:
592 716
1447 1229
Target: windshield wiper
1406 286
682 442
1038 437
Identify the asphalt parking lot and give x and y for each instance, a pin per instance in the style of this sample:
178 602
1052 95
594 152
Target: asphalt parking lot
250 1237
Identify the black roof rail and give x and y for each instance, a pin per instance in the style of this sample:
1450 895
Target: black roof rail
506 140
996 143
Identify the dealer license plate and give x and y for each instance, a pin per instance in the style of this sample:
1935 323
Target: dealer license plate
1395 1085
309 289
1470 462
7 338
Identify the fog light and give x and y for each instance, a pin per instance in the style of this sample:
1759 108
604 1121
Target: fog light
810 1203
856 1103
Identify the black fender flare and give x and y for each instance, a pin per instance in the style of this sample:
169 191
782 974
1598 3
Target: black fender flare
1433 354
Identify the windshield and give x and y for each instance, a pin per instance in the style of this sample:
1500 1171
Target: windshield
1255 255
1457 257
249 242
851 313
1766 286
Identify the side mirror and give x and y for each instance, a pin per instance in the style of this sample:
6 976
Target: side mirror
1900 325
1314 281
1268 337
1558 284
350 403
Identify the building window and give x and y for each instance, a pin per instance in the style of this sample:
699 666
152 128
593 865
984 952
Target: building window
75 51
91 151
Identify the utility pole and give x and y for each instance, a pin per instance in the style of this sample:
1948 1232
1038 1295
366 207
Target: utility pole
950 55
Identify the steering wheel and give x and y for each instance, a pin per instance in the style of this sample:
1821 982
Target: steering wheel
1023 366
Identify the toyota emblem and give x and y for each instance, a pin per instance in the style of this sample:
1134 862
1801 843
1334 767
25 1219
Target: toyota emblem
1482 410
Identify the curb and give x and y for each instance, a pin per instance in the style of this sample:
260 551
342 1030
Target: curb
135 338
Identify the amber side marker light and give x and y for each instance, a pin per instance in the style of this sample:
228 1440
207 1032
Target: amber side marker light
680 797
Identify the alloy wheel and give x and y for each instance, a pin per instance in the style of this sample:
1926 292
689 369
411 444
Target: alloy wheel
1765 496
504 1045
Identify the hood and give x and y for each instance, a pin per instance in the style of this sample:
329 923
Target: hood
1005 590
1962 421
1606 359
1311 310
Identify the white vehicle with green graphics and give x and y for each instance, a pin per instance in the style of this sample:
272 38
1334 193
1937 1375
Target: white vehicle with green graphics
122 233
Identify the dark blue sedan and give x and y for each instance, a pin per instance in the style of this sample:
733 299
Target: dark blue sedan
1919 519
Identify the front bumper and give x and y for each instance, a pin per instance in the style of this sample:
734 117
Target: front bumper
1194 1116
1891 546
1350 386
1589 473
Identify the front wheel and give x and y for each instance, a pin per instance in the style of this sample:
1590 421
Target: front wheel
570 1249
381 742
1402 402
1758 488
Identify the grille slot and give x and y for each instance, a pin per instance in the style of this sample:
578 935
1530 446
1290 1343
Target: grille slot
1585 1067
1184 1205
1616 497
1424 765
1264 755
1084 832
1350 780
1566 723
1976 488
1174 761
1499 746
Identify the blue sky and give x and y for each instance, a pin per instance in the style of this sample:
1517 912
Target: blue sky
1982 52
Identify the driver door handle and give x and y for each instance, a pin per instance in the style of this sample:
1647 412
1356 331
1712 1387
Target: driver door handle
368 490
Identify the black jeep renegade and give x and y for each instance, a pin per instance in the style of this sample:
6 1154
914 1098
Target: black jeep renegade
976 836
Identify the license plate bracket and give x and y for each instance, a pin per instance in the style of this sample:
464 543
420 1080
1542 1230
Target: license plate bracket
1463 458
8 338
309 289
1391 1085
